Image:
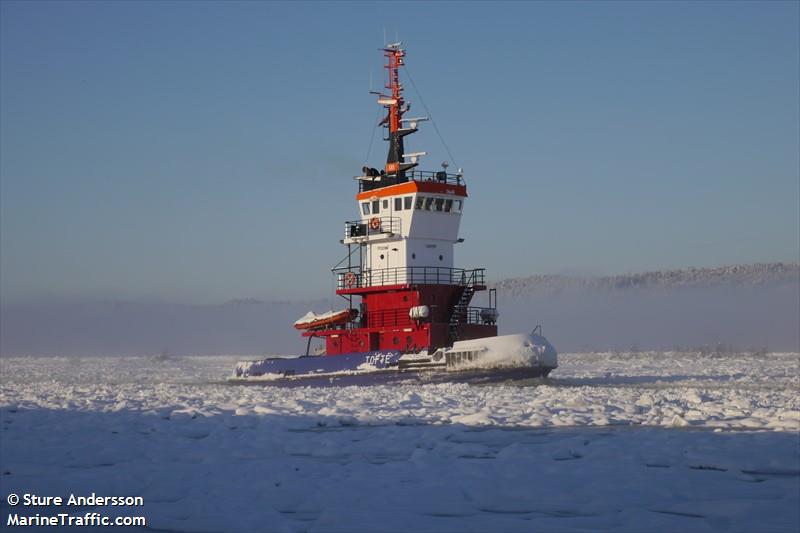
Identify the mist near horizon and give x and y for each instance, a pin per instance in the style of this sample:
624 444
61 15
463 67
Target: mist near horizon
745 307
707 319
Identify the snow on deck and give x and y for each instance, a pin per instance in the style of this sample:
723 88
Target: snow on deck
629 442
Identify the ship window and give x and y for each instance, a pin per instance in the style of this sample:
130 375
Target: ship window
365 208
448 205
439 205
420 201
413 256
376 207
441 258
429 204
398 204
383 257
407 202
457 206
386 204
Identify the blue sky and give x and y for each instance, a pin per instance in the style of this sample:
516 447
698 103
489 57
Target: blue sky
198 152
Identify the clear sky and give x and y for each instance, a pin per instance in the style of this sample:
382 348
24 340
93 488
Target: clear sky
198 152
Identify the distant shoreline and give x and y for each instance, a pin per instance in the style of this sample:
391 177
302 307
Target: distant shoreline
748 307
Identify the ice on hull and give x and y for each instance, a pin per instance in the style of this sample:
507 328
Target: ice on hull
315 366
519 356
402 377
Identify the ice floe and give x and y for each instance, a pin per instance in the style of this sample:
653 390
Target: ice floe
624 442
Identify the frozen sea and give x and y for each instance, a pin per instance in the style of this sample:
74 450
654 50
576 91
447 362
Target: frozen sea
651 441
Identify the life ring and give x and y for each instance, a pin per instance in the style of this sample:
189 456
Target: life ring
350 279
375 223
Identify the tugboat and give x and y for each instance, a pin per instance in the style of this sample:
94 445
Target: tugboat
408 308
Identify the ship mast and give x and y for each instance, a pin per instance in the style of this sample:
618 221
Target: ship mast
394 122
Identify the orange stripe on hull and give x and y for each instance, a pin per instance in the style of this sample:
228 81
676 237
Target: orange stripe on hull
411 187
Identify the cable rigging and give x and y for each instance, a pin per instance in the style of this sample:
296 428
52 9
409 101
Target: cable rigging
435 127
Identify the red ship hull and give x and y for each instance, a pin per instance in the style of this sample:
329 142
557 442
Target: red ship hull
387 324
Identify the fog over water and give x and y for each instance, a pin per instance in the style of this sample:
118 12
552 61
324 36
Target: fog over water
757 310
746 318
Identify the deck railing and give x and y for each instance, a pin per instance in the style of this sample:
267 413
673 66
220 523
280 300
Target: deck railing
385 180
400 317
355 278
372 226
388 317
478 315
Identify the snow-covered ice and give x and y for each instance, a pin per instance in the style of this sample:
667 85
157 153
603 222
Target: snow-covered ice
629 442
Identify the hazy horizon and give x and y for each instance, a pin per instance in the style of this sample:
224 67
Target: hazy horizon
759 312
320 298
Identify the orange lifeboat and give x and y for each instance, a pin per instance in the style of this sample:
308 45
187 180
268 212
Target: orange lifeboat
312 320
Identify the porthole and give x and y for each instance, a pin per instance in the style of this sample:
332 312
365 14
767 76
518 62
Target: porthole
413 256
441 258
381 256
405 297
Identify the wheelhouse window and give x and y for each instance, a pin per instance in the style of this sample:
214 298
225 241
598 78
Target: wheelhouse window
376 207
398 204
428 203
365 208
